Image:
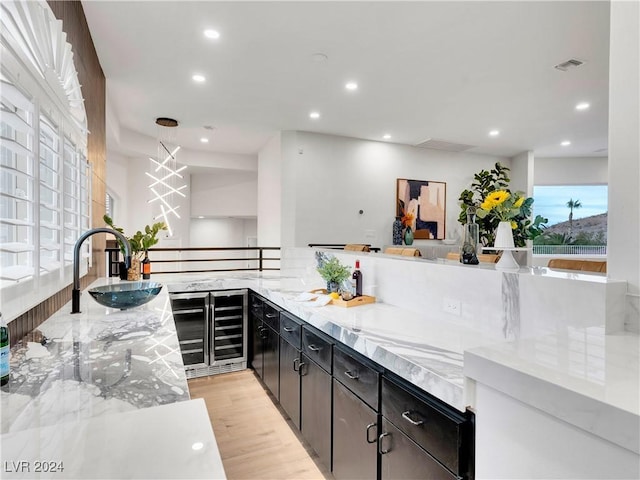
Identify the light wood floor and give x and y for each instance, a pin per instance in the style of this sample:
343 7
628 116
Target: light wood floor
254 439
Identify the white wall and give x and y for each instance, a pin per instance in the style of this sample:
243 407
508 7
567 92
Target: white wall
522 172
269 201
117 186
623 261
571 171
221 232
328 179
127 181
224 193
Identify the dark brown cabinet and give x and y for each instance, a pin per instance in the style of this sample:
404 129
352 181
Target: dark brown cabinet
412 420
355 416
355 435
265 346
402 459
363 421
315 371
290 357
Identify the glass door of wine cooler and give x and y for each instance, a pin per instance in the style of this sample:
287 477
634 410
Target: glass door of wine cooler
229 325
191 315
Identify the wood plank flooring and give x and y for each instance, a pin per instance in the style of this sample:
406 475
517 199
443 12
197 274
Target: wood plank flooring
254 438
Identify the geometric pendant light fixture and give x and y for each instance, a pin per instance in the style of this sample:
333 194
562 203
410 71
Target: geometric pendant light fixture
166 181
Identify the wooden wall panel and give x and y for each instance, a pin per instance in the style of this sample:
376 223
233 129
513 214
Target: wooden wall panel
93 83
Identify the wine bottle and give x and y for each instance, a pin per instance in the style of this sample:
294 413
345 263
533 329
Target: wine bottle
356 280
4 352
146 267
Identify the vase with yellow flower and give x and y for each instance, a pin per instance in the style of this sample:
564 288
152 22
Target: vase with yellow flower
505 206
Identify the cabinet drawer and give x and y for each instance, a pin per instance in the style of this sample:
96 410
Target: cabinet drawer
436 428
403 459
359 377
271 315
317 347
291 329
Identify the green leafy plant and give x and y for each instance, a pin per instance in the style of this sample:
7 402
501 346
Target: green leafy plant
140 242
490 196
332 271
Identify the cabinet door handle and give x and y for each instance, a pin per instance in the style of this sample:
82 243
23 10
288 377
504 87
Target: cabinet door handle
351 375
296 364
369 427
271 315
406 416
288 329
300 370
381 451
313 348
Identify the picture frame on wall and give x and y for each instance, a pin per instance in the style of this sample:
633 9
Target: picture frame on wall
426 201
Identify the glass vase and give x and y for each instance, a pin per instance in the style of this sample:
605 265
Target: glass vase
408 236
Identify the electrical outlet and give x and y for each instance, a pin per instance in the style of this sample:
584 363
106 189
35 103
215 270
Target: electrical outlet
452 306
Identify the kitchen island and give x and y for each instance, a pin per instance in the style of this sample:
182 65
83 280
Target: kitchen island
84 373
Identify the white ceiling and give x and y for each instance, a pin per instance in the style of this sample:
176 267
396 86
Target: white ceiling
449 71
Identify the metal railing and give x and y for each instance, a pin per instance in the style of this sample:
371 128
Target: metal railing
198 259
570 250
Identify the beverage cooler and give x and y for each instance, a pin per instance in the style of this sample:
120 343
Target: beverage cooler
212 331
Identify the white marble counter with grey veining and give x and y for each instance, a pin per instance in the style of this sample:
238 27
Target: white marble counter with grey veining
103 394
105 362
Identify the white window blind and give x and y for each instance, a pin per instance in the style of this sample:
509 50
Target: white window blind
17 179
45 179
44 205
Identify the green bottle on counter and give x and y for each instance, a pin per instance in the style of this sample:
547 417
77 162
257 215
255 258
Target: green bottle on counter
4 352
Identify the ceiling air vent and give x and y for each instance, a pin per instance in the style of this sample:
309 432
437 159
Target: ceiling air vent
442 145
571 63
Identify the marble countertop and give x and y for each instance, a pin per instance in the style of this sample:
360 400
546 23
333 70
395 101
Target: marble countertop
105 362
118 445
93 392
580 375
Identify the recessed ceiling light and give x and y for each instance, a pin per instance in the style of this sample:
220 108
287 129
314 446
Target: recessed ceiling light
351 86
582 106
565 143
204 140
386 136
209 33
198 78
314 115
494 133
200 216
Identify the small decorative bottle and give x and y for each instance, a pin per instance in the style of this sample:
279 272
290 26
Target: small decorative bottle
146 266
397 231
4 352
356 280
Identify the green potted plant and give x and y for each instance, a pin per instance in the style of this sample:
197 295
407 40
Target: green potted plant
493 202
332 272
140 242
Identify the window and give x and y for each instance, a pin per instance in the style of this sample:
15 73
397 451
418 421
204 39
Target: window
43 210
577 219
108 202
45 194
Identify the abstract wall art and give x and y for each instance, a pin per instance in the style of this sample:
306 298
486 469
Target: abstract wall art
426 201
